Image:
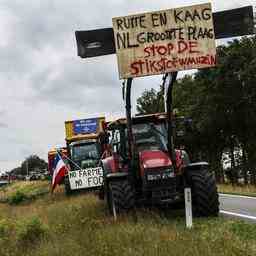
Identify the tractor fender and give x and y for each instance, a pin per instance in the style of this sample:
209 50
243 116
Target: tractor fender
194 167
104 163
110 164
109 174
108 177
116 175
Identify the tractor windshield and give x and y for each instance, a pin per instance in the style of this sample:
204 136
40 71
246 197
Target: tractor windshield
85 155
150 136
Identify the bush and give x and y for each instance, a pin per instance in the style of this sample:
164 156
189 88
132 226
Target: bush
4 229
17 197
31 231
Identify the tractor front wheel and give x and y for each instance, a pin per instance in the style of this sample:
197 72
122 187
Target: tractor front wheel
205 199
120 196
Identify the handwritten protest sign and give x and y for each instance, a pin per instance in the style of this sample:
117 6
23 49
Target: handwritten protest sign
165 41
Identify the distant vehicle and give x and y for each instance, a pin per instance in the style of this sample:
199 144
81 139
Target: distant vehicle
4 183
31 177
35 176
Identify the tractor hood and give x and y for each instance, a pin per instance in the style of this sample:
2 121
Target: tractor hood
154 159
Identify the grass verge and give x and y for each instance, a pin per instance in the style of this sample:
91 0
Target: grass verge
248 190
21 191
80 225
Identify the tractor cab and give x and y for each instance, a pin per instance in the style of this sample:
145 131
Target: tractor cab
149 134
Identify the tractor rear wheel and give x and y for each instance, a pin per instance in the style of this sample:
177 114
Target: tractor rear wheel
205 198
120 196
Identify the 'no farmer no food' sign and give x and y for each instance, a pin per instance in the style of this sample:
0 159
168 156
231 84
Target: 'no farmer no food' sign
165 41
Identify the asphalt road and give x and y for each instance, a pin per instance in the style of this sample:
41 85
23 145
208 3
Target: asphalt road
243 207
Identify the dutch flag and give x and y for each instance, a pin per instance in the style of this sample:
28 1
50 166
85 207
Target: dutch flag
59 171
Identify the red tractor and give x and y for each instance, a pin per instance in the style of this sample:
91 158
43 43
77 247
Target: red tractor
145 168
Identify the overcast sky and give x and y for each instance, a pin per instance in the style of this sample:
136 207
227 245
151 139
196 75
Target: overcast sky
43 82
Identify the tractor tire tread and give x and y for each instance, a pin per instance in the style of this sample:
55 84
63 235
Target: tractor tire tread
122 194
205 199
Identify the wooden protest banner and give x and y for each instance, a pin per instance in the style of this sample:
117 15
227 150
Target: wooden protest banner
165 41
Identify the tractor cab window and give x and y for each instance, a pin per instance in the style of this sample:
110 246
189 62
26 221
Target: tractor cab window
84 154
150 136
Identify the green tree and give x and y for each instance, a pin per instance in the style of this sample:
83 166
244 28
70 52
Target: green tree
31 163
151 101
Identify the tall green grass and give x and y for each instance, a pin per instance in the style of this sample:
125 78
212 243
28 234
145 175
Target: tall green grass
18 192
247 190
80 225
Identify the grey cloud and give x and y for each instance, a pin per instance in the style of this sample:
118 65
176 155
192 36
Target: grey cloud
2 116
2 112
76 83
3 125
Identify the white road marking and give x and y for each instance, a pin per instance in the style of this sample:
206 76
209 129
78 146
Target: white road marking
239 215
239 196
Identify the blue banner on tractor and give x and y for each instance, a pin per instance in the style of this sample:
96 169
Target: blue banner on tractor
84 126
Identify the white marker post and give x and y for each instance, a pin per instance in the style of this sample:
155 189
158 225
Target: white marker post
188 206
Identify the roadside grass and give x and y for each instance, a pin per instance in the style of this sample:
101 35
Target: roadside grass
21 191
80 225
246 190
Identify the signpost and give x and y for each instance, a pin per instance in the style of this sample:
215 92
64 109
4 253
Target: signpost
165 41
228 23
188 207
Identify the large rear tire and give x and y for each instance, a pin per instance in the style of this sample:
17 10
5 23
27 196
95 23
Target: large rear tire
120 196
205 198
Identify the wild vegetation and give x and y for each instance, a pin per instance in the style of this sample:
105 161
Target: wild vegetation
32 163
21 191
221 102
80 225
246 190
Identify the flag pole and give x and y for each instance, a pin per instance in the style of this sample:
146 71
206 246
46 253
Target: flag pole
65 166
69 160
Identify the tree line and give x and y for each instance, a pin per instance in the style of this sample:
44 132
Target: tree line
221 101
32 163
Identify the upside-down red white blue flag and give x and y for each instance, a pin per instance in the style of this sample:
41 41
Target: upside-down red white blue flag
59 171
